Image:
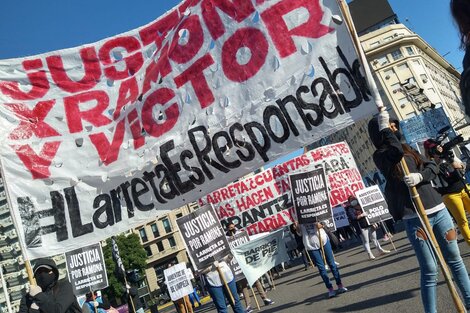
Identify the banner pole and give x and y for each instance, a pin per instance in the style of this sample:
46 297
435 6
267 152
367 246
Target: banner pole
256 299
388 233
310 259
27 263
432 239
129 291
222 278
272 280
185 304
321 247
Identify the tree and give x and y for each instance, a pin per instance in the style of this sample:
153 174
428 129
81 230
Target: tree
133 257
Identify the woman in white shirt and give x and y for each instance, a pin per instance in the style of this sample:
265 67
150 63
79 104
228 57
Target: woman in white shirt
314 237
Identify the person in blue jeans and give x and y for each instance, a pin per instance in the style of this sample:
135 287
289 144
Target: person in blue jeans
386 136
314 237
218 291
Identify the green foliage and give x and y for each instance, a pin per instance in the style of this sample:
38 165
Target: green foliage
133 256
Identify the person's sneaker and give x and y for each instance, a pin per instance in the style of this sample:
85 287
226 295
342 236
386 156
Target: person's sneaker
327 267
337 263
249 309
268 301
331 293
305 268
341 289
383 252
371 257
386 238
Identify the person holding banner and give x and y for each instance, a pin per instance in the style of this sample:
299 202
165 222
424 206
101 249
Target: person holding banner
295 230
366 231
50 293
217 290
94 300
319 248
133 301
386 136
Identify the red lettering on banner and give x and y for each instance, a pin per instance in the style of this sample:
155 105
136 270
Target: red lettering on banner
94 115
252 39
32 121
225 211
133 61
269 223
37 77
194 74
254 199
109 152
238 10
280 32
91 66
155 32
161 67
182 53
136 129
128 93
38 165
150 124
340 195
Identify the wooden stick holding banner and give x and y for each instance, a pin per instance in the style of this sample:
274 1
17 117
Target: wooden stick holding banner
256 299
321 247
224 281
27 263
185 304
387 231
310 260
414 193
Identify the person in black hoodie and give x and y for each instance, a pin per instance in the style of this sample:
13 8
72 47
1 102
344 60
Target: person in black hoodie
50 295
386 136
461 12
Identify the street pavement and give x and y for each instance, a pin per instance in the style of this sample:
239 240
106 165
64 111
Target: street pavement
386 284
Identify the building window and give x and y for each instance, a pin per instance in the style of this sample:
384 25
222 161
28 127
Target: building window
410 51
389 73
416 62
179 215
166 225
402 67
424 78
155 230
396 55
172 241
382 60
148 250
143 235
160 246
375 44
402 102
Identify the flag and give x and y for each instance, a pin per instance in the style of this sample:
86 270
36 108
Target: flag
117 257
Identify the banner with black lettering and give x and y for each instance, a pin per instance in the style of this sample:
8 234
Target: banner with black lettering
340 216
177 281
86 269
100 138
263 202
203 237
373 204
261 254
234 241
310 197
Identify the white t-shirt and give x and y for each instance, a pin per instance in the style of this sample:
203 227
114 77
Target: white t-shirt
213 277
310 236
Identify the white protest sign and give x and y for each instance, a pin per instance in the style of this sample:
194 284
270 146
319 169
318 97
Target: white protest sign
373 204
261 254
100 138
177 281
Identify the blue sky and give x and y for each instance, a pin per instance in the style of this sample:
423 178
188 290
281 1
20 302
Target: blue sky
30 27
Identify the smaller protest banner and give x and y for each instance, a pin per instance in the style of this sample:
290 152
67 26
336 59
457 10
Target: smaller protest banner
373 204
340 217
259 255
177 281
86 269
310 197
234 241
203 237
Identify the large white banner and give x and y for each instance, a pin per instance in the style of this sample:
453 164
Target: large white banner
261 254
263 202
102 137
